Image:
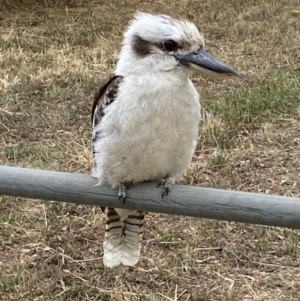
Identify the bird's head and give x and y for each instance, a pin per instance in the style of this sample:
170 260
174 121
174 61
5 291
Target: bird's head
162 43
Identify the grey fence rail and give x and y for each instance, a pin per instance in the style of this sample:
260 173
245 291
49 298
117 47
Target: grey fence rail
255 208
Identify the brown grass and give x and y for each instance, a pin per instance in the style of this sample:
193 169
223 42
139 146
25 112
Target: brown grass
53 56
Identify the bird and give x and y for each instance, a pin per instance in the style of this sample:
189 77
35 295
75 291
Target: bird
145 119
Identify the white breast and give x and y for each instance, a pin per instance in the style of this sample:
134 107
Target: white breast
149 131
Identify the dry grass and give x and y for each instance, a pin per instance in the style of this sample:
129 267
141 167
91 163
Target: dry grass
52 59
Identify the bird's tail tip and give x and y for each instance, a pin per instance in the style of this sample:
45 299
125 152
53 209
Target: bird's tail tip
113 259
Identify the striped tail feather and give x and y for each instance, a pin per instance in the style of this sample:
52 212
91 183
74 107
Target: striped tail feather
123 236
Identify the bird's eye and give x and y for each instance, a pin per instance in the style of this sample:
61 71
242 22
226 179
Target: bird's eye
170 45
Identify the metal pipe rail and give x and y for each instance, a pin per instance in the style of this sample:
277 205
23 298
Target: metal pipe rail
229 205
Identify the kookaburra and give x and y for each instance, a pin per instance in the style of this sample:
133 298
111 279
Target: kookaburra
145 119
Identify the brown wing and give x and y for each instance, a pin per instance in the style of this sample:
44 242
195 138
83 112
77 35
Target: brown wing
104 97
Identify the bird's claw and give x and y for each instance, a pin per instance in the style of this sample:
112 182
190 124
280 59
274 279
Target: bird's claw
166 190
167 183
122 193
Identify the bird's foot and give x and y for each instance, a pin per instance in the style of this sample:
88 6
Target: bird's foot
167 184
122 192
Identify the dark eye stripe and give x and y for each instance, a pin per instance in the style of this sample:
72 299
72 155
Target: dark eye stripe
141 46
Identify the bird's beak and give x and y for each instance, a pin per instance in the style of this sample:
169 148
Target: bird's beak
204 63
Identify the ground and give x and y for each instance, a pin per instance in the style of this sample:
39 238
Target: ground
53 57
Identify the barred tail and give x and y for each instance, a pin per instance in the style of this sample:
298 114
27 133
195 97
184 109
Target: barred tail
123 236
